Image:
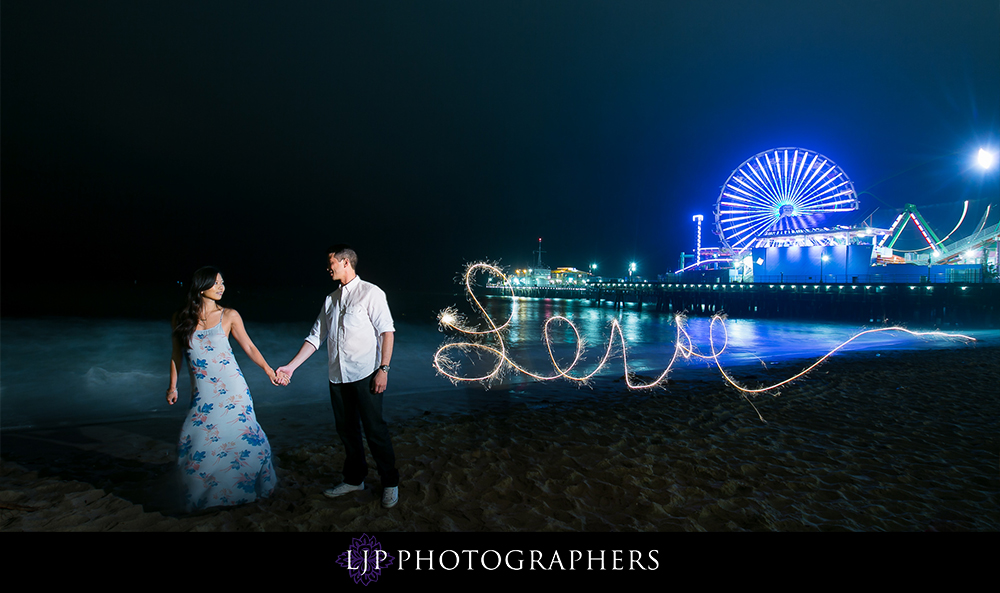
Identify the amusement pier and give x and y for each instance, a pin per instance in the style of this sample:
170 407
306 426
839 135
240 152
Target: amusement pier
795 244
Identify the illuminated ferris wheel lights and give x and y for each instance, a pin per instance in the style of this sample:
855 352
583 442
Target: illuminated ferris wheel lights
786 186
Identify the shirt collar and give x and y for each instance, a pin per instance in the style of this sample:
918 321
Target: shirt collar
349 287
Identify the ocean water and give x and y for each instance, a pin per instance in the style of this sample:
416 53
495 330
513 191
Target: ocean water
76 371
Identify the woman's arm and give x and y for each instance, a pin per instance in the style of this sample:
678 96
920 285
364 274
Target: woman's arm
240 334
176 359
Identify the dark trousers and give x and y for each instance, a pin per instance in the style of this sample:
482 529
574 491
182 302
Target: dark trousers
354 406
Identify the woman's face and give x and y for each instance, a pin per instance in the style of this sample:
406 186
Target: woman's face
215 292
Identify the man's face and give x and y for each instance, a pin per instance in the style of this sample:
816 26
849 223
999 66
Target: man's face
336 267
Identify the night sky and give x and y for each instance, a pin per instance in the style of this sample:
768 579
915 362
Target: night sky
143 140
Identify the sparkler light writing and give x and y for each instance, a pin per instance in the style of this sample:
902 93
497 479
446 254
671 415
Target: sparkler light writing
450 319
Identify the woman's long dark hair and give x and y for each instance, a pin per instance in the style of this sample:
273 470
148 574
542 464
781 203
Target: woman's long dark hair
187 317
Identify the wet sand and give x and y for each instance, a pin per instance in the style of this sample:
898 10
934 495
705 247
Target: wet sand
902 441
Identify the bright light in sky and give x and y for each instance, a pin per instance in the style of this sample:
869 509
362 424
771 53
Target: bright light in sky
986 159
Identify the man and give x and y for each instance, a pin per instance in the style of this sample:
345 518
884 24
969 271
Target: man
357 327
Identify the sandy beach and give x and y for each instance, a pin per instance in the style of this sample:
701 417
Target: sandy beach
894 441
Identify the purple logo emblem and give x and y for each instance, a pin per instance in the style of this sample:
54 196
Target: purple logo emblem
365 559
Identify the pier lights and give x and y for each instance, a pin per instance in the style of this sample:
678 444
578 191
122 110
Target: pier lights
822 260
631 270
697 252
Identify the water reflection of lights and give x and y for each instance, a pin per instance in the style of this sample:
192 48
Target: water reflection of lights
448 365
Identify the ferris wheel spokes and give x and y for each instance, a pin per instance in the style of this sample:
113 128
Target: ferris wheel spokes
789 187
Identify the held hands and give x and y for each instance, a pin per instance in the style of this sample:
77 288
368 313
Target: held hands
279 378
283 376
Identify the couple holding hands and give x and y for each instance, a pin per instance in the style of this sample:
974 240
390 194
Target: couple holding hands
223 454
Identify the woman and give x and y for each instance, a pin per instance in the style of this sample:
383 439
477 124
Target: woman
223 455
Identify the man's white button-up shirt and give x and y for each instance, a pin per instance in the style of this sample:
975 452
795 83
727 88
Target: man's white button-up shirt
352 319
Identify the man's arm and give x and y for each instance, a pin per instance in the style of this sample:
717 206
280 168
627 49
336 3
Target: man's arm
305 352
313 341
381 377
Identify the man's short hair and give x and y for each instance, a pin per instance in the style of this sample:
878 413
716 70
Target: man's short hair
343 251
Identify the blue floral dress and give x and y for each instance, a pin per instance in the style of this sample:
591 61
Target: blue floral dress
223 454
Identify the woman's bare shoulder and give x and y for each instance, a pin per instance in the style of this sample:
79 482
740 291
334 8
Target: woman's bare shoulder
231 318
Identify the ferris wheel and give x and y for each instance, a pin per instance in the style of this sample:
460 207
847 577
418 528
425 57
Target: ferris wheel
780 190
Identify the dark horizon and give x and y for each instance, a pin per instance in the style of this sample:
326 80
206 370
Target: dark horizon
140 142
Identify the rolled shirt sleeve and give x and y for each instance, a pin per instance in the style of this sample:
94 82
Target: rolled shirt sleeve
379 313
319 330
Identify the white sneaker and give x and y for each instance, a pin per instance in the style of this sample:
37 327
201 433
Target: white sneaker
342 489
390 496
